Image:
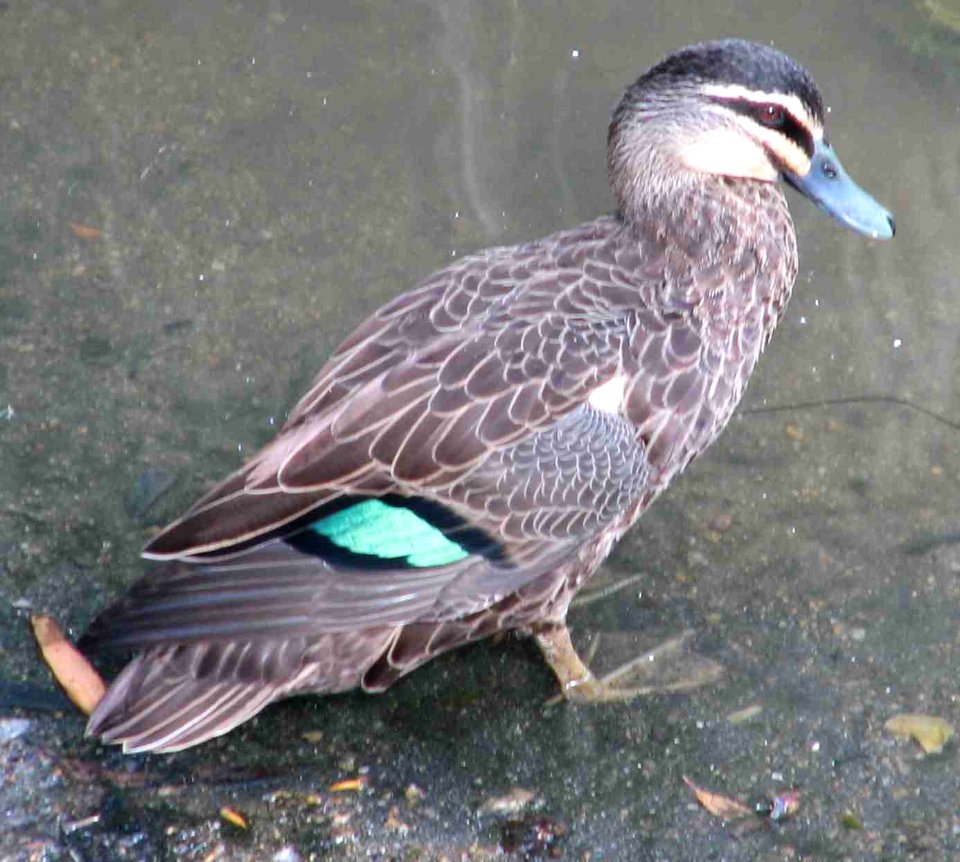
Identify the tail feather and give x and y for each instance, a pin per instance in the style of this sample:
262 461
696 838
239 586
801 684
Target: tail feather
172 697
148 710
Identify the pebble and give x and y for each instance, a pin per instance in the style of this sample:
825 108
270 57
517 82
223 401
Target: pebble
13 728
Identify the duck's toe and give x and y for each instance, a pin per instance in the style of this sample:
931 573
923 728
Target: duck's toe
667 668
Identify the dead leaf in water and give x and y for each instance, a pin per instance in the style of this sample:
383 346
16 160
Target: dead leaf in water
353 785
741 715
510 803
718 804
85 231
234 817
928 731
79 679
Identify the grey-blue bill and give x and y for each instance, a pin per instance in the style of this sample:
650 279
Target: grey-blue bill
829 186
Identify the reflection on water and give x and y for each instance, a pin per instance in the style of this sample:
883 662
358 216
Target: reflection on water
199 201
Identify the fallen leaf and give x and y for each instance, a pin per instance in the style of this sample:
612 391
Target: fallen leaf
234 817
745 714
85 231
513 802
928 731
79 679
312 736
355 784
718 804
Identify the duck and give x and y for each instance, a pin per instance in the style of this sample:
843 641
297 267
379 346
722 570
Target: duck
467 458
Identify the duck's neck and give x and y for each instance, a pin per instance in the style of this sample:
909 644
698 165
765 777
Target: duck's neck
728 246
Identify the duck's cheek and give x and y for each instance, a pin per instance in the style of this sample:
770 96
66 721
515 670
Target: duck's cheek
728 153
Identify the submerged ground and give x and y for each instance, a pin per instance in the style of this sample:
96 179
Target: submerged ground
197 200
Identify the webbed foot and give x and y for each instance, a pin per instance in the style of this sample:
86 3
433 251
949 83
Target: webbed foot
639 677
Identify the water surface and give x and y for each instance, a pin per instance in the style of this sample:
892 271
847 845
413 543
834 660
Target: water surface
198 200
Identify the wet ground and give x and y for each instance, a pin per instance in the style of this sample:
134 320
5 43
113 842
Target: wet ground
197 200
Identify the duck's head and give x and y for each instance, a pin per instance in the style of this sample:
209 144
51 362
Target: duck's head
731 109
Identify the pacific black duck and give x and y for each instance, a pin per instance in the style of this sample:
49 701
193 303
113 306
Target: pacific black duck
469 455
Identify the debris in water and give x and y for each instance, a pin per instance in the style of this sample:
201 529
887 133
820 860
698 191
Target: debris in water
928 731
414 794
512 802
85 231
782 806
80 680
533 837
718 804
13 728
849 820
350 784
234 817
741 715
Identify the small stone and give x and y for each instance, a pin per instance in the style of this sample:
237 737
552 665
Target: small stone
13 728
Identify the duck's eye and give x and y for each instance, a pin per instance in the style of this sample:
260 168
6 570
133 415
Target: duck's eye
771 115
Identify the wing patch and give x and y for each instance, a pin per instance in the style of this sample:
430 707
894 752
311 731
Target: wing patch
377 529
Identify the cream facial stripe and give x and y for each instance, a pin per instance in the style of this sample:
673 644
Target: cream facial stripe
791 104
793 142
730 153
787 151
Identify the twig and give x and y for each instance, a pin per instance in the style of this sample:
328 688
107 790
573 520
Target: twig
857 399
583 600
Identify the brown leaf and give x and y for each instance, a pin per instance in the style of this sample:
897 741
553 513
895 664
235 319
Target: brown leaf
80 680
718 804
85 231
928 731
234 817
352 784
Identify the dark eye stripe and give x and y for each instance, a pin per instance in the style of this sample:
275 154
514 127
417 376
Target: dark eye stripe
791 127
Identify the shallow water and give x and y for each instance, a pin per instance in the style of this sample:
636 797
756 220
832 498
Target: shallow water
259 177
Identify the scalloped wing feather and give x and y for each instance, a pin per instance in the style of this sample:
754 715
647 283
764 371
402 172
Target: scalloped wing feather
434 383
